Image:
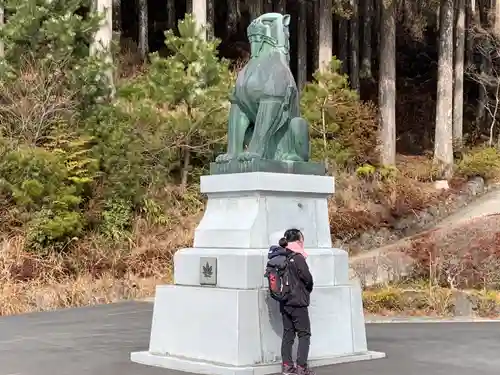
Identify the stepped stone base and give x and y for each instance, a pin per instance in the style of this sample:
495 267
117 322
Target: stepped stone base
231 331
186 365
218 318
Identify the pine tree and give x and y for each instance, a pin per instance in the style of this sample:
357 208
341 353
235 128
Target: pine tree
55 34
343 130
190 88
48 83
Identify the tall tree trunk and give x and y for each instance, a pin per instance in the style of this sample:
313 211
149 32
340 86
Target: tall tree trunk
103 37
302 45
496 28
143 29
233 15
171 15
443 141
387 82
484 66
256 8
438 17
313 20
2 21
366 61
458 88
407 13
280 6
325 34
186 166
343 41
377 10
268 6
354 34
211 17
471 18
117 20
200 15
483 95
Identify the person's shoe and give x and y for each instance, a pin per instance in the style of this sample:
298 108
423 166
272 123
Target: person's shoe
304 371
287 369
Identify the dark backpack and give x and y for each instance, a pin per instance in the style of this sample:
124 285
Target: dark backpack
278 277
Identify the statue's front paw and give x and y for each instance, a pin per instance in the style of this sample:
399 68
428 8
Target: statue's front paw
290 157
224 158
248 156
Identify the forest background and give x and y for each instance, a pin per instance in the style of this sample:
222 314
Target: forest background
101 150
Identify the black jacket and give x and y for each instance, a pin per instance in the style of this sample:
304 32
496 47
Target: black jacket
301 280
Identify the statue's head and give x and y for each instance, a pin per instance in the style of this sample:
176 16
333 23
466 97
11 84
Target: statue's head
271 29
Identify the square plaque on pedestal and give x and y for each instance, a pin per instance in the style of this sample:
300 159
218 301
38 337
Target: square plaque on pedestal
208 271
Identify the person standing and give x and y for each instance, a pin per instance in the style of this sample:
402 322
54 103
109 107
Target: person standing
295 307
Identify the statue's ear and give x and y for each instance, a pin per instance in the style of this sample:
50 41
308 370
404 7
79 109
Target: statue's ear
286 20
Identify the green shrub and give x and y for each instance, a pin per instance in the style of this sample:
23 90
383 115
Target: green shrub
383 173
116 219
33 176
55 33
343 129
366 171
481 161
382 299
121 152
46 193
54 229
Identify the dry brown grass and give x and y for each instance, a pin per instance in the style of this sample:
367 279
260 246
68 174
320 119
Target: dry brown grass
422 300
129 61
463 255
466 255
361 204
392 300
89 274
451 266
419 168
45 294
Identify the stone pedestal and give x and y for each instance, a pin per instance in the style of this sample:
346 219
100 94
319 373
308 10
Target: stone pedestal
218 318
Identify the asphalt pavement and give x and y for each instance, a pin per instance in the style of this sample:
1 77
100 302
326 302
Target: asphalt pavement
98 341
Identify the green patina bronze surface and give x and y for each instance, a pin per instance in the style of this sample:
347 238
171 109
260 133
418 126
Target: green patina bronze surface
265 131
263 165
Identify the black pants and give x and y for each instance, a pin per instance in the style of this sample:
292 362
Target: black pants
295 322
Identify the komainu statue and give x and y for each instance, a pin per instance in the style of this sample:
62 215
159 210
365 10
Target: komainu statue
264 120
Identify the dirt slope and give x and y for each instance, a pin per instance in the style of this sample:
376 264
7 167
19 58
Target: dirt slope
474 228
